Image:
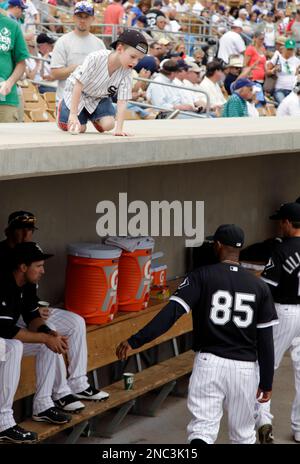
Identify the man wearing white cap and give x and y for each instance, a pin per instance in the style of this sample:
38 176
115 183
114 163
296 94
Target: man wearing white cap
231 43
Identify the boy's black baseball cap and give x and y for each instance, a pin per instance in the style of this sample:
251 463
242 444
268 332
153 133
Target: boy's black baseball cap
229 234
133 38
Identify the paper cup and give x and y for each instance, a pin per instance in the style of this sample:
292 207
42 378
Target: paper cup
128 380
43 304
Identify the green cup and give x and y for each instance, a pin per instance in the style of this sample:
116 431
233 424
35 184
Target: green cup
128 380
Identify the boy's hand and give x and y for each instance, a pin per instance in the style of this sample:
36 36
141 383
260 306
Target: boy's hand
74 124
122 134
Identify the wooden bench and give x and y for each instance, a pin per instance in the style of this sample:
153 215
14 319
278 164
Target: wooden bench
102 341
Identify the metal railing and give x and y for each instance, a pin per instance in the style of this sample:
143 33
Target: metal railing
173 114
191 41
180 88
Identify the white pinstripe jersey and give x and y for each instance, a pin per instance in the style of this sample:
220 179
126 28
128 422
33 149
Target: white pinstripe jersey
97 83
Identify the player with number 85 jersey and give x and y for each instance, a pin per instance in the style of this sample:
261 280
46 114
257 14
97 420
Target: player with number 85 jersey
233 316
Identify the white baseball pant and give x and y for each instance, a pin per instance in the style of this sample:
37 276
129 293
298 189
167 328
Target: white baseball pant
10 376
9 380
73 326
216 382
284 334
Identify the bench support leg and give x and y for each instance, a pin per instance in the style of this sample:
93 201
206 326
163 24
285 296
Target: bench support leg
95 379
76 432
163 394
138 362
115 422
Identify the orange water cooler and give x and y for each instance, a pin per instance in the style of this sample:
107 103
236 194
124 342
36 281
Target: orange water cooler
91 281
135 277
159 276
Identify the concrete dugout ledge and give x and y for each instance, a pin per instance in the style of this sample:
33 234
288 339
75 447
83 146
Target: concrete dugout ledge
41 149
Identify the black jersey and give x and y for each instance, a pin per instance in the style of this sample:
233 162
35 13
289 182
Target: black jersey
282 272
5 256
152 16
15 301
6 264
228 305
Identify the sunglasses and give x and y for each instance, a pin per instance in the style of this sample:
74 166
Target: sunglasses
288 69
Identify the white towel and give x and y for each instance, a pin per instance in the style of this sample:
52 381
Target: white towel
2 349
130 243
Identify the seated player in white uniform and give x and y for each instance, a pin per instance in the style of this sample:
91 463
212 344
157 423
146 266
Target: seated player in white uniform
66 392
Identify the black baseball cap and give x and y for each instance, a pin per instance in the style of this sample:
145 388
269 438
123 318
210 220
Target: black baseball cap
28 252
133 38
44 38
142 19
21 220
229 234
290 211
182 65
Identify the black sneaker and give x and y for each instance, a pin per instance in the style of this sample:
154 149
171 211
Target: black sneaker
69 403
92 394
18 435
52 415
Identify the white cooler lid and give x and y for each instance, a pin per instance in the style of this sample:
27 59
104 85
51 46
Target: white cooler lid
93 250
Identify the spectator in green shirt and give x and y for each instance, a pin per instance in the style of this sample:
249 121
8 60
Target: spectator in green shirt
236 106
13 52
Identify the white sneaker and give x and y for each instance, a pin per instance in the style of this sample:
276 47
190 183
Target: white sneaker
92 394
69 403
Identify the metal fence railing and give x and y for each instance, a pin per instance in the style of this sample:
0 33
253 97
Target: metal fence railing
180 88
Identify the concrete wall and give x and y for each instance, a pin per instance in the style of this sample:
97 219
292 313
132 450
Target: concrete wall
243 191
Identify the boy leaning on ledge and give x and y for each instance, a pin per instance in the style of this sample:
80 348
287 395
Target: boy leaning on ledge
89 90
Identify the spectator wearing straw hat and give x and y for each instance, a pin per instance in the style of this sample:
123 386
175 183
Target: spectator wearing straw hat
166 45
232 71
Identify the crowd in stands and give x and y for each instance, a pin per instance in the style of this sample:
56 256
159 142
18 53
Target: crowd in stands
232 58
